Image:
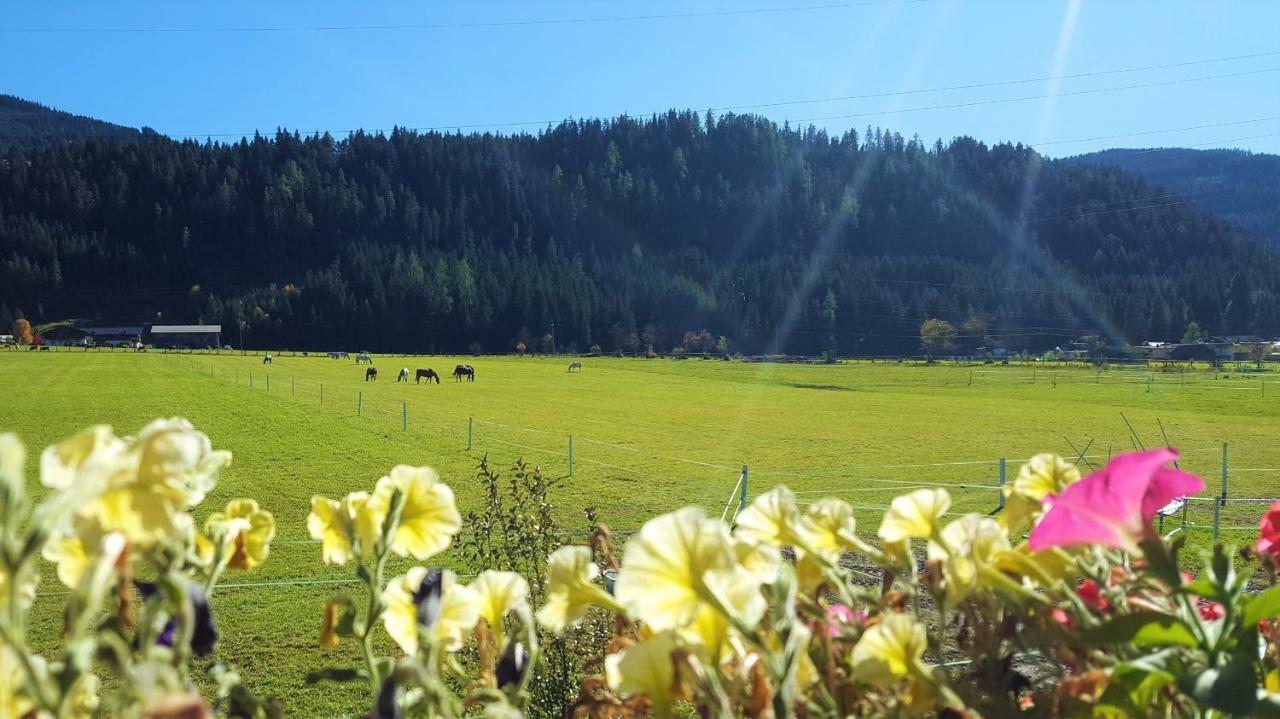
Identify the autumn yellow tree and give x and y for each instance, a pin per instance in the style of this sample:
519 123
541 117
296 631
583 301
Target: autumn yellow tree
22 332
937 337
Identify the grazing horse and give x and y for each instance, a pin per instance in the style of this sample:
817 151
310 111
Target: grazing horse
429 374
335 355
575 366
464 370
371 374
363 358
266 359
404 375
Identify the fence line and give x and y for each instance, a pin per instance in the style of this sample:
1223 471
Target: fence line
740 488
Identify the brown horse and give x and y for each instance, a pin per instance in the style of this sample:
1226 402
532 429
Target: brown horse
428 374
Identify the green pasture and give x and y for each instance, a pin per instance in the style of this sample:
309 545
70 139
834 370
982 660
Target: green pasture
648 436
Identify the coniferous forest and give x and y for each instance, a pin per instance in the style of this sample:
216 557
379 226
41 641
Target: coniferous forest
621 233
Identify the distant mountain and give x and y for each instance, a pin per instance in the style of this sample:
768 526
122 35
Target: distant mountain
1241 187
28 124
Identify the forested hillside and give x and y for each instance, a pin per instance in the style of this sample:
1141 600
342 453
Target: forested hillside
1239 186
620 233
31 124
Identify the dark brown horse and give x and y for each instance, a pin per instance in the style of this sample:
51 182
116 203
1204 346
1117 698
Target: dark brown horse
464 370
429 374
371 374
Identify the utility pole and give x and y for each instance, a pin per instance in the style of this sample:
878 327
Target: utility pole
553 337
241 338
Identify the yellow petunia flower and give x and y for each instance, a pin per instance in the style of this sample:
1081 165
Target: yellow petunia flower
891 649
645 668
771 517
71 555
174 457
329 626
13 458
828 528
571 589
711 633
758 559
677 562
967 545
1043 475
246 528
94 453
344 527
14 701
914 516
498 594
429 519
407 610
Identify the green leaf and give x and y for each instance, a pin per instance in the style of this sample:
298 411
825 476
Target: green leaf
1262 606
336 674
1231 688
1143 629
1204 588
1135 684
1162 562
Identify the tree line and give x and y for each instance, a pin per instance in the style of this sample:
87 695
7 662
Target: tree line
624 233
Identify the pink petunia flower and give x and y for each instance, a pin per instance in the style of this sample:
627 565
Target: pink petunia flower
1269 532
1091 594
1113 507
838 614
1061 616
1211 611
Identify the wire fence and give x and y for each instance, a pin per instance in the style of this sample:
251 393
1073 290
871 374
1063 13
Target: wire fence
976 485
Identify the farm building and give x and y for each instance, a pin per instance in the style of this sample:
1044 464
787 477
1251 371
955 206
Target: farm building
186 335
115 336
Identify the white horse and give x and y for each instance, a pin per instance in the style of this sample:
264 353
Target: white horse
363 358
404 375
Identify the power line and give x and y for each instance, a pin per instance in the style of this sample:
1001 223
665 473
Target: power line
1154 132
1094 91
532 123
1002 83
461 25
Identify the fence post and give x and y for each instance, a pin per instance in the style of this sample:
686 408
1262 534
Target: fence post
1222 498
268 383
250 379
359 403
1003 475
742 502
570 455
293 386
1149 384
322 393
404 416
470 424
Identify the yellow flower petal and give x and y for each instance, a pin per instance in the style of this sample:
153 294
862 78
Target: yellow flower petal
571 589
343 527
672 566
890 650
1043 475
247 529
429 519
712 633
968 543
828 528
72 557
914 515
457 615
771 517
93 453
645 668
13 458
176 458
758 559
498 594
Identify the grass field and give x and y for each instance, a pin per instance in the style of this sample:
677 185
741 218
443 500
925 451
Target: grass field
648 436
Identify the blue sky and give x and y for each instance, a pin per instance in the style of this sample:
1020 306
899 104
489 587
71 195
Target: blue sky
198 83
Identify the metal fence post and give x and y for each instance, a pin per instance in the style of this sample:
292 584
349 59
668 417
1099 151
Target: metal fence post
742 502
322 393
268 383
1003 474
293 386
470 425
1222 498
404 416
570 455
359 403
250 378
